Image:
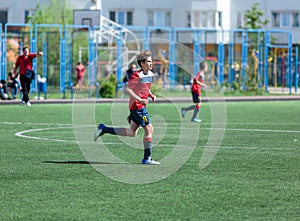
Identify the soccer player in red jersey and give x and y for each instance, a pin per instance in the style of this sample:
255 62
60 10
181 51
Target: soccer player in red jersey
138 89
24 62
198 83
79 74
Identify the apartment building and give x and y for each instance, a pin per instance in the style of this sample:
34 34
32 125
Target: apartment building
208 14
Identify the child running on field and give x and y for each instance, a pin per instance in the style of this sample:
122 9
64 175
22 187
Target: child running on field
198 83
138 89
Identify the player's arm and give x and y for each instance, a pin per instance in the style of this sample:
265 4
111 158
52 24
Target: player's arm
135 96
152 96
202 84
16 66
34 55
197 81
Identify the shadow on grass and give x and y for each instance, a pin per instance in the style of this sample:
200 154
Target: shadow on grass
84 162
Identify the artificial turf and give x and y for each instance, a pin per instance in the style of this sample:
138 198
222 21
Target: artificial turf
46 173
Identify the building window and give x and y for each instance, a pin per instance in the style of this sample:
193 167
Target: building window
285 19
129 18
168 18
28 14
121 17
220 22
203 19
239 19
3 16
150 18
275 19
211 19
112 16
159 18
188 19
196 19
295 19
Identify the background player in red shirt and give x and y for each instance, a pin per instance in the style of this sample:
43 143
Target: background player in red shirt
79 74
198 83
24 62
138 89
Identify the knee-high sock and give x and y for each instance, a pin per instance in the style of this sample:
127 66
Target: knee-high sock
115 131
147 147
190 108
196 111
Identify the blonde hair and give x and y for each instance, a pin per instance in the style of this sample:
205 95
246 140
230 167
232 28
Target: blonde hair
142 57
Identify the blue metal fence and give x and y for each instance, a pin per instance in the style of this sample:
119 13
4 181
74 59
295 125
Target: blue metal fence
226 57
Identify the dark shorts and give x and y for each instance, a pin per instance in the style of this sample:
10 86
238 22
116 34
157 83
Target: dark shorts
140 117
196 98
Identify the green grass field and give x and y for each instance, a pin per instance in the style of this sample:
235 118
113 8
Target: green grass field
45 172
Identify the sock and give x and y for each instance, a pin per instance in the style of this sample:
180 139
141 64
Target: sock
196 111
147 148
190 108
115 131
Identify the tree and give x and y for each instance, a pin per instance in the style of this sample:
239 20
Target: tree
57 12
253 21
253 18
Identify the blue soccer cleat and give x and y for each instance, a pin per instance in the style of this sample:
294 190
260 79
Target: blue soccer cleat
99 132
183 112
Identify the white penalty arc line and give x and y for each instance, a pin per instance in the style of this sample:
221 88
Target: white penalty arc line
21 134
204 128
157 123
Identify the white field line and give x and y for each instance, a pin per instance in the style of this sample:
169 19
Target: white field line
22 134
157 123
204 128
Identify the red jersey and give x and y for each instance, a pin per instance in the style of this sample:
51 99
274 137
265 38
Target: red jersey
140 83
25 62
80 70
196 88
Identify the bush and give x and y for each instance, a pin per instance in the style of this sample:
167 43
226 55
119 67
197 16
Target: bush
235 86
108 87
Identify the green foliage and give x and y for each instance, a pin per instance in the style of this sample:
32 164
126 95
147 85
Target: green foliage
182 76
57 12
155 88
253 18
108 87
236 86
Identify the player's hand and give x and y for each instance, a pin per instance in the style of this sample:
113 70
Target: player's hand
153 98
144 101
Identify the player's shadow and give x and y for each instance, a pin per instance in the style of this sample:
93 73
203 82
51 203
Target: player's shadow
84 162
